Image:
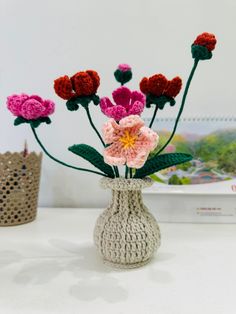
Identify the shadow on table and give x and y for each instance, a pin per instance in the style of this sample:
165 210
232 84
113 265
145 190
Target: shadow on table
92 278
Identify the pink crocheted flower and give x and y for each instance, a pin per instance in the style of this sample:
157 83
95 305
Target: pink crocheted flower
126 103
124 67
30 107
14 103
130 142
49 108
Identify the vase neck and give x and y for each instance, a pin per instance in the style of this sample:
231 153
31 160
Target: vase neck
127 201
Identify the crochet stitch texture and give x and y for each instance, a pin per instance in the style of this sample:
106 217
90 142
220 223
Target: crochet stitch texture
126 234
127 103
30 107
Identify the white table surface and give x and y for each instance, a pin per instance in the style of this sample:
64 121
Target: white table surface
51 266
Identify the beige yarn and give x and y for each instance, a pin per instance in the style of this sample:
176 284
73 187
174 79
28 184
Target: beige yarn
19 187
126 233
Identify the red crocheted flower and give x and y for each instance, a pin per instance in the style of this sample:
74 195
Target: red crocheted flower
81 84
207 40
158 85
63 87
85 83
173 87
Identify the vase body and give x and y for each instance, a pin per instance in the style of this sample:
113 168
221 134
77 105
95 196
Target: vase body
126 234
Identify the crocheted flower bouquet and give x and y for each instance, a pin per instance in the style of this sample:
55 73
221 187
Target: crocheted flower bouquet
126 234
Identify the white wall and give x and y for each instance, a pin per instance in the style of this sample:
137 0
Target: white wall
41 40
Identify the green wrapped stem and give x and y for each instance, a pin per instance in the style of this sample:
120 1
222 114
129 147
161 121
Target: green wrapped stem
93 126
153 117
62 162
181 107
116 170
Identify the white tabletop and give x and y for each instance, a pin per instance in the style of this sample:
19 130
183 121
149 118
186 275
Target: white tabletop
51 266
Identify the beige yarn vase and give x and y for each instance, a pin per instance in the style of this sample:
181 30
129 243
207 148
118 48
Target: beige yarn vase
126 234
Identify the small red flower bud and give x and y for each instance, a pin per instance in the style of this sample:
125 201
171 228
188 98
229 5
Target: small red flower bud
207 40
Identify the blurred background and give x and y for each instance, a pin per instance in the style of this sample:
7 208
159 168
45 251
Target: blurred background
42 40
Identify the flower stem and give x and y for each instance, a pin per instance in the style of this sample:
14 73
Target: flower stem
116 170
126 172
93 126
130 173
61 162
181 107
153 117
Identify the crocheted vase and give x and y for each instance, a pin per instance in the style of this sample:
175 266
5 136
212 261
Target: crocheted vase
126 234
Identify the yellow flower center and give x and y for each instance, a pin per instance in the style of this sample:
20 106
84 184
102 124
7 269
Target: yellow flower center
128 140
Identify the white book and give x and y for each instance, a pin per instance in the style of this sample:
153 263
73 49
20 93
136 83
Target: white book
206 186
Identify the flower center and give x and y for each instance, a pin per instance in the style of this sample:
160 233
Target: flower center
128 140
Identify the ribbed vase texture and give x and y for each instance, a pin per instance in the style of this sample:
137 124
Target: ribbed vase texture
126 233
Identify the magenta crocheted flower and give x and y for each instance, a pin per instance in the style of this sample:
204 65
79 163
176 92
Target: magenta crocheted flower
30 107
130 142
14 103
126 103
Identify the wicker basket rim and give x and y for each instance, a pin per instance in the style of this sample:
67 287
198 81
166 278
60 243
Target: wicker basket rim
32 155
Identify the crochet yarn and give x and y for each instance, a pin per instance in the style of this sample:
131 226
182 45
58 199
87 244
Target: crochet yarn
126 233
159 162
30 107
127 103
123 73
92 155
130 142
159 90
207 40
84 83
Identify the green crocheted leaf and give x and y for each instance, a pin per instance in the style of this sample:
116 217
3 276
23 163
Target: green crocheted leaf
37 122
34 123
95 99
160 162
73 104
19 120
159 101
92 155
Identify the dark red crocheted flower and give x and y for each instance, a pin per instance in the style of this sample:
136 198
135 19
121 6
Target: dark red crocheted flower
207 40
173 87
81 84
63 87
85 83
144 85
158 85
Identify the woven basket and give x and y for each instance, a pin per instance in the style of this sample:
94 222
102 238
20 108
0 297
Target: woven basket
19 187
126 233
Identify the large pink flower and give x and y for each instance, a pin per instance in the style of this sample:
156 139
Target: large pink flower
30 107
126 103
130 142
